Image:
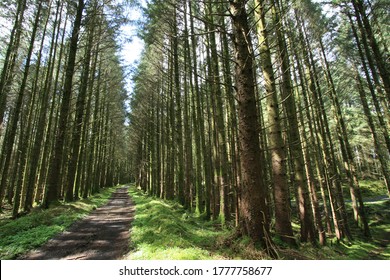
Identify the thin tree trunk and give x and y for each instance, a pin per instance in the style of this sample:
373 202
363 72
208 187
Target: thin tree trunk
276 144
349 165
54 175
41 122
9 63
300 181
79 118
10 138
360 13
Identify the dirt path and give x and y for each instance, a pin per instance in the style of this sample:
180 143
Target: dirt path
103 235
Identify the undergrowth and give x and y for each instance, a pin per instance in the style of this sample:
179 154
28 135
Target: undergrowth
369 189
34 229
360 248
372 188
164 230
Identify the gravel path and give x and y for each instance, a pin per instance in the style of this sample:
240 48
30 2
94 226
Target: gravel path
103 235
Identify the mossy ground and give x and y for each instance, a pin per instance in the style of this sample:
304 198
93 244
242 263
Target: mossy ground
360 248
33 230
372 188
164 230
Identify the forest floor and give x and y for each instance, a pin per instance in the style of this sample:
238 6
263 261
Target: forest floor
102 235
165 230
111 225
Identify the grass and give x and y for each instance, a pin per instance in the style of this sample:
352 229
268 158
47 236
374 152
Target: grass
33 230
163 230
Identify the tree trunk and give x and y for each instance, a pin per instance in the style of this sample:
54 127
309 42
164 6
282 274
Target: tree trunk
9 62
349 165
9 139
54 176
276 144
253 207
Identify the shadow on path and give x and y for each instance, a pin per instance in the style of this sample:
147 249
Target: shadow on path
103 235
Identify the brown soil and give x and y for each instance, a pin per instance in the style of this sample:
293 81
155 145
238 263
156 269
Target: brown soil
103 235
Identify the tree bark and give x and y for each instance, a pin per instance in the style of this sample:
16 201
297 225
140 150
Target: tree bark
253 207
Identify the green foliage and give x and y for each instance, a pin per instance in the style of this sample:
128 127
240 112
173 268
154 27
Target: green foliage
31 231
164 230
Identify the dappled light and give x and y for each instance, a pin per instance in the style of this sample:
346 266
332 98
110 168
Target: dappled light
103 235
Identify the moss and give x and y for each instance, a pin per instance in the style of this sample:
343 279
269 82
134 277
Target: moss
372 188
164 230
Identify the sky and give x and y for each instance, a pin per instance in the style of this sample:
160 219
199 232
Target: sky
133 46
131 53
131 49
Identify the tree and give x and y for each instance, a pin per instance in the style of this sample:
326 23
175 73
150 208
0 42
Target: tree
53 183
34 109
252 195
276 142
